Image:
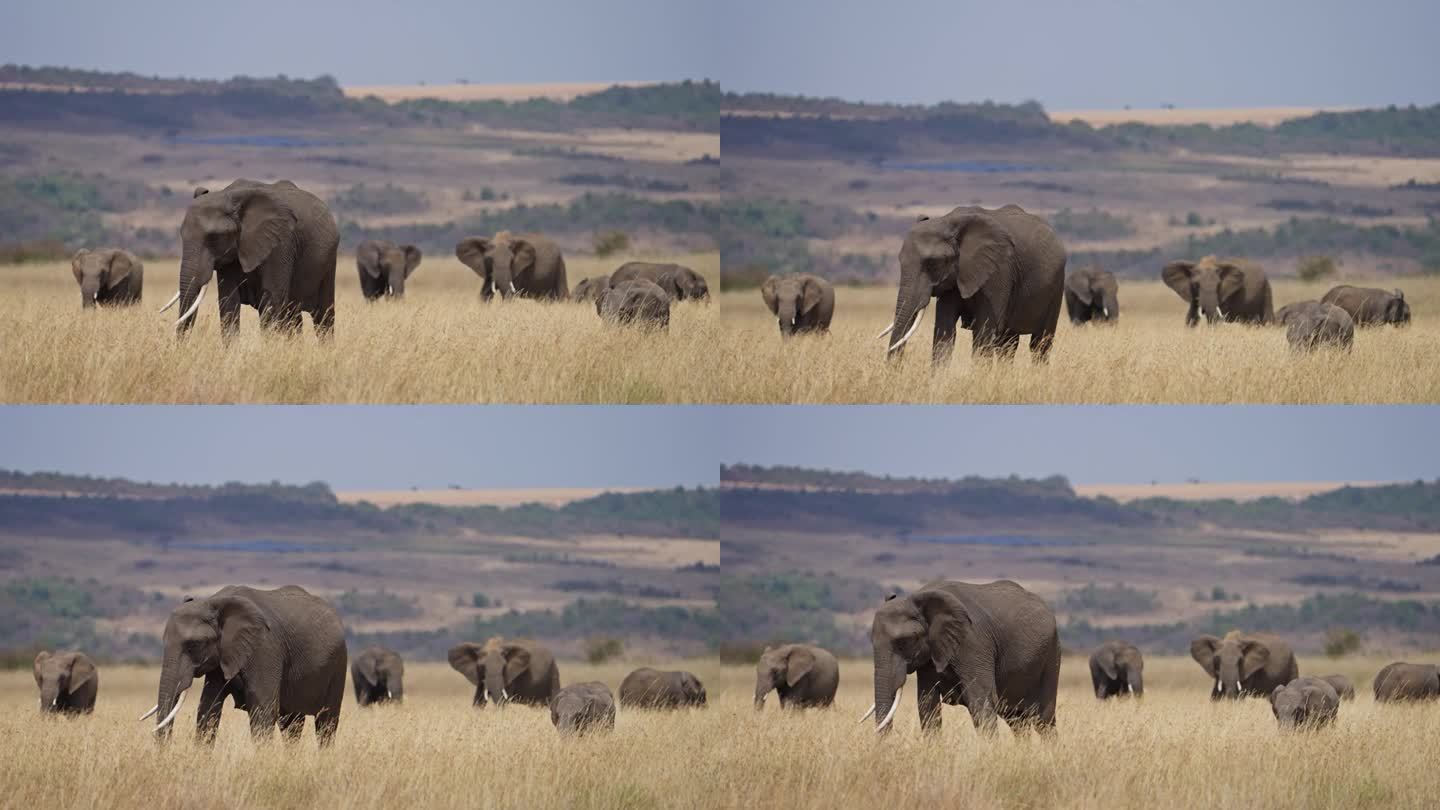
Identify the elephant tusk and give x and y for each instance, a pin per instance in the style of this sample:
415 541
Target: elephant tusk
884 724
172 301
512 288
191 311
171 716
504 695
1105 311
1237 686
887 330
1219 685
387 694
868 712
153 710
1130 687
919 316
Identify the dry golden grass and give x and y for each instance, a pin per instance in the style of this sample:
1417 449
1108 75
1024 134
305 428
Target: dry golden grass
1149 357
439 345
434 751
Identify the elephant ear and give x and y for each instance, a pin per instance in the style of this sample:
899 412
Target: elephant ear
1105 659
1176 276
368 257
365 668
1082 288
692 683
1232 279
471 252
412 258
465 659
242 625
947 622
524 256
1275 694
1202 649
767 291
265 223
82 669
122 264
1255 655
517 660
800 663
75 263
40 661
983 248
810 293
200 191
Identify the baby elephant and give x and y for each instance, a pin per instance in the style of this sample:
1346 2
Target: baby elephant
1311 325
1401 682
1344 687
1117 669
591 289
583 707
1305 703
803 303
378 675
805 676
68 682
384 267
1092 294
638 302
1369 306
109 277
647 688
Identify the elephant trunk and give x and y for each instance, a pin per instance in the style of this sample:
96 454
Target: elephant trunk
889 677
502 279
1111 305
1209 298
1133 682
394 688
762 689
50 696
176 675
197 266
787 313
495 685
397 282
89 292
910 303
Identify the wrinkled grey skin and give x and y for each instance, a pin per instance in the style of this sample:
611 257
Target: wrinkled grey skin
280 654
68 682
1241 665
1311 325
1305 703
1221 289
518 671
999 273
590 289
1369 306
1117 669
581 708
108 277
803 675
1092 294
992 648
378 676
1343 686
638 302
1402 681
648 688
384 267
271 246
804 304
516 265
678 281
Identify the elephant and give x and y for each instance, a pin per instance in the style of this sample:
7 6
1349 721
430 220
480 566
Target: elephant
1117 669
1311 325
1343 686
1092 294
518 265
803 303
1305 703
590 289
679 281
279 653
271 246
518 671
1404 682
108 277
378 676
1222 289
637 301
647 688
384 267
1369 306
68 682
803 675
992 648
583 707
1244 665
999 273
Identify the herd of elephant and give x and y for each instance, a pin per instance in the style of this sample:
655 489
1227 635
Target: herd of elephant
1001 273
273 247
281 655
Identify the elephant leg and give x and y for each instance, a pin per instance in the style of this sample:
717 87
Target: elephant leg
324 314
479 699
290 727
327 720
207 716
231 297
1041 341
947 313
1004 345
262 720
928 683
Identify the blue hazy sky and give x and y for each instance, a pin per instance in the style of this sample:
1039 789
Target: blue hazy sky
370 447
1100 53
372 41
1097 445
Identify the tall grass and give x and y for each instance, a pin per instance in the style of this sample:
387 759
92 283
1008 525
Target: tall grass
1149 357
441 344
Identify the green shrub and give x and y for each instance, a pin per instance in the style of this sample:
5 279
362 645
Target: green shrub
1113 599
1314 268
479 600
608 243
598 650
1340 641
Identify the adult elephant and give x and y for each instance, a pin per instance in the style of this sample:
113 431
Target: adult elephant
590 289
992 648
1221 289
108 277
384 267
637 301
515 265
1117 668
1092 294
647 688
583 707
803 675
279 653
516 671
1311 325
1244 665
677 280
1369 306
1343 686
378 676
1305 703
1403 681
998 273
271 246
68 682
803 303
